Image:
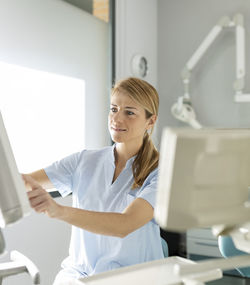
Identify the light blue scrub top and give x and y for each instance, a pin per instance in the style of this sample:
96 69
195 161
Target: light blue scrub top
88 175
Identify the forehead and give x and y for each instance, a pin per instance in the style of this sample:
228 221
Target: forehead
123 99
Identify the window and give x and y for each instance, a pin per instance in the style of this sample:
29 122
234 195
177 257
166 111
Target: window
43 114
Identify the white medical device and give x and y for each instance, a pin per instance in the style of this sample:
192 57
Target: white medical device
183 110
203 182
203 178
14 205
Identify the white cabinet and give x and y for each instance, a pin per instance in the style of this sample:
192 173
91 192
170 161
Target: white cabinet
202 242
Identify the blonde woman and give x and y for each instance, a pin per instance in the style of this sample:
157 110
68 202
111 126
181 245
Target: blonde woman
113 189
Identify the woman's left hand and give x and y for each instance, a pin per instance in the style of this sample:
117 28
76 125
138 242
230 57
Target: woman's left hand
40 200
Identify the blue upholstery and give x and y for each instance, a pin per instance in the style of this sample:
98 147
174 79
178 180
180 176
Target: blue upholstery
227 249
164 247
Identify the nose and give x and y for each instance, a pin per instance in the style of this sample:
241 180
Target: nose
117 116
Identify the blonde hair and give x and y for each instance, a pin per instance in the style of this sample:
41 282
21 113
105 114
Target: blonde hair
145 95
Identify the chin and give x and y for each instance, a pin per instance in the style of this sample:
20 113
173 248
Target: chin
117 139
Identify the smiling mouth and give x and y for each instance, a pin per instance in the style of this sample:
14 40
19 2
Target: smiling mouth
118 130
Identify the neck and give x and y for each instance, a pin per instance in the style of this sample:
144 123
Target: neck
124 151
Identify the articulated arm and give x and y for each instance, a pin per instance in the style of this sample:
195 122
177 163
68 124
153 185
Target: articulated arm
182 110
205 45
239 83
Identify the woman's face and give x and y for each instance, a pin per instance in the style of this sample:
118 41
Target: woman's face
127 120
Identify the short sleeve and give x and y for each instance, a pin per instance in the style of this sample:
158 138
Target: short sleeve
61 172
149 188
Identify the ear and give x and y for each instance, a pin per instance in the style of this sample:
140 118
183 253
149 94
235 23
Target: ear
151 122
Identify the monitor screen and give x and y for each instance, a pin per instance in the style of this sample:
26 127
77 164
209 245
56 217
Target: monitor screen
203 178
14 203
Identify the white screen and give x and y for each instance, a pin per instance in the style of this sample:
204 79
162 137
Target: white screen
14 203
203 178
44 114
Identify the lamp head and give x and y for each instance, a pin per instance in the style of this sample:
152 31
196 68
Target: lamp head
183 111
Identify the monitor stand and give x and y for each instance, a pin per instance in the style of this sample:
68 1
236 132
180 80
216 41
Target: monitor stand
19 263
2 243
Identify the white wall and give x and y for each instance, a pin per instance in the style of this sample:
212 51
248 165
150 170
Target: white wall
54 36
136 33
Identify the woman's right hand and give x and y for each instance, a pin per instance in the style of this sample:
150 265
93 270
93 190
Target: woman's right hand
40 200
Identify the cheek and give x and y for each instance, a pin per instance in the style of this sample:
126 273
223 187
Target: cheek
138 127
143 127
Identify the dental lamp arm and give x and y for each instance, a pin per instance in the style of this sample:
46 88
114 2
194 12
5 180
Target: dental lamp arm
201 50
240 49
183 110
239 83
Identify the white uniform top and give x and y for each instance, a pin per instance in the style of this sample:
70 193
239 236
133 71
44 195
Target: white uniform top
88 175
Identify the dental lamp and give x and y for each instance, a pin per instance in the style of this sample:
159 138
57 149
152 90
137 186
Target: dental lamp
183 110
14 205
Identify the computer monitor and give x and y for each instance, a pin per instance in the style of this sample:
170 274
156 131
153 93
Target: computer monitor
203 178
14 203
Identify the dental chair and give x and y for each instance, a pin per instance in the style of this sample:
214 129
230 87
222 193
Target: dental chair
228 249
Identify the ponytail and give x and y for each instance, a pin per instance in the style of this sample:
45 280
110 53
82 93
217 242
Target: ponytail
145 162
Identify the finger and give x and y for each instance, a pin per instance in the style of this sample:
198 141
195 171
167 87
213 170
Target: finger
36 192
37 200
32 182
41 208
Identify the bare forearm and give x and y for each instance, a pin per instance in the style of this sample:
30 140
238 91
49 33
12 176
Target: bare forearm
41 177
111 224
137 214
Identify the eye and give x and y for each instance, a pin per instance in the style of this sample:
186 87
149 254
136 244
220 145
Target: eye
130 113
113 109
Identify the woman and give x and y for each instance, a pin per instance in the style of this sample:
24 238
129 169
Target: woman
113 189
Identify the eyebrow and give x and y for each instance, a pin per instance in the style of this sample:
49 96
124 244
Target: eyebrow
127 107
